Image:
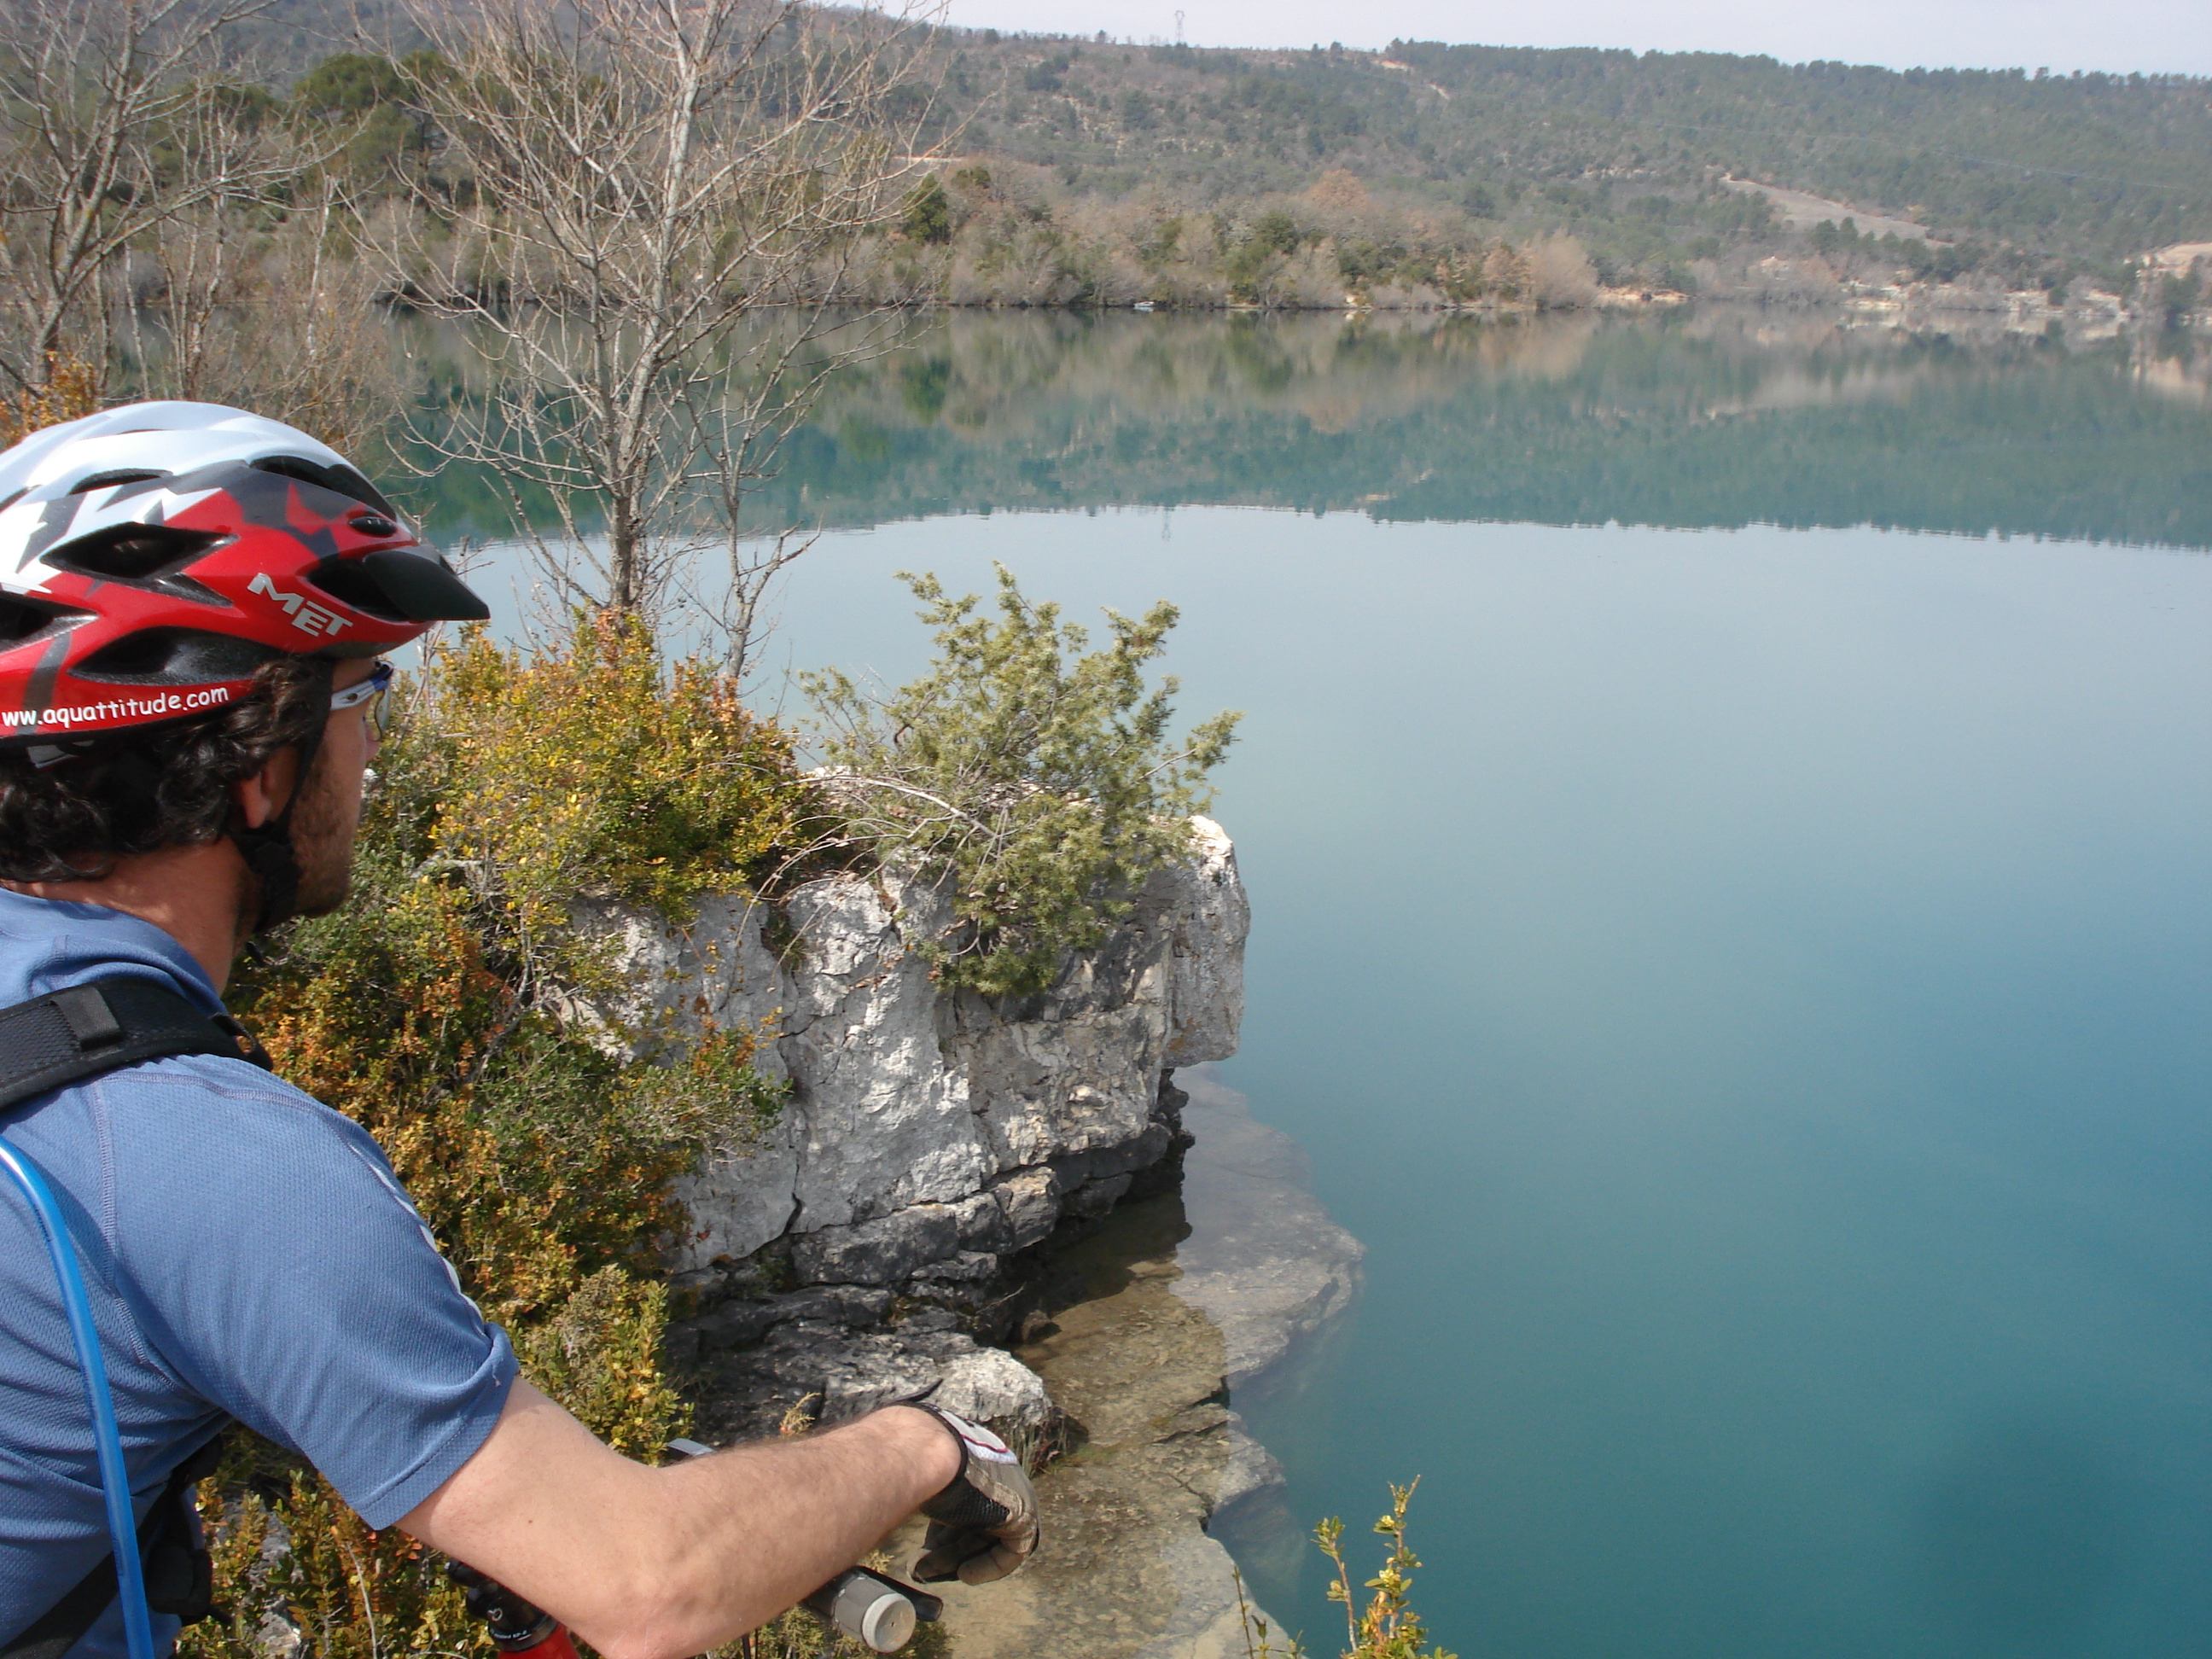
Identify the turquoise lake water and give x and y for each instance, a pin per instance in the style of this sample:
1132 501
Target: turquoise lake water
1749 987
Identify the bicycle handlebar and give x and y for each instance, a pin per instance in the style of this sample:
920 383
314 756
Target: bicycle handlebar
872 1607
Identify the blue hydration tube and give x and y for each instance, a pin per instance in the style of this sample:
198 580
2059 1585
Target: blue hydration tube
122 1523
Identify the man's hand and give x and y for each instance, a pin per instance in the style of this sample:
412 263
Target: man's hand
984 1524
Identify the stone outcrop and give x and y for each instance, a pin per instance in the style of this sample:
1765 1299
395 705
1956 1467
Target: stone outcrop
929 1137
952 1178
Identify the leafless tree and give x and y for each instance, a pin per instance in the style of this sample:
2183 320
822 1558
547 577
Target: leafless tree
628 181
104 139
276 313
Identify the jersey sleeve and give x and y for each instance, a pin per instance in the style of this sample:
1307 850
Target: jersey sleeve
279 1270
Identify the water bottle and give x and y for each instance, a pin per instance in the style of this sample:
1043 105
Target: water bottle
877 1612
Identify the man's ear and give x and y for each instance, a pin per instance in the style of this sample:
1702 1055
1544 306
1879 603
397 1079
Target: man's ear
262 796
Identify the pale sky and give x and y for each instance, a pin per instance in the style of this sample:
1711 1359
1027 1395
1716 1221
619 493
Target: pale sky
2170 35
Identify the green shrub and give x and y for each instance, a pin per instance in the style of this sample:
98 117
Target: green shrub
1039 780
928 216
1275 236
542 1161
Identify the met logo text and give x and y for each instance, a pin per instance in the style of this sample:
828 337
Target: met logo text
307 615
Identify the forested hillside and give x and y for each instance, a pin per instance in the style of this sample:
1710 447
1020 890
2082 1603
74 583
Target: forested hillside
1624 150
2093 164
2035 179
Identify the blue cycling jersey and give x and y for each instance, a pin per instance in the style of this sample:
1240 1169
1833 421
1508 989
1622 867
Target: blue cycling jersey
248 1254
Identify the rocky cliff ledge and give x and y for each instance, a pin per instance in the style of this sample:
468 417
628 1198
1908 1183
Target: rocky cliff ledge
953 1177
935 1146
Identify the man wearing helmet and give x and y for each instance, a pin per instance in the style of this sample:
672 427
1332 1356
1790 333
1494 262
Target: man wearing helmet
193 602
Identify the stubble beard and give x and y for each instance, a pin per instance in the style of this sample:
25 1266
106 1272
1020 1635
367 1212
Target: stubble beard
324 829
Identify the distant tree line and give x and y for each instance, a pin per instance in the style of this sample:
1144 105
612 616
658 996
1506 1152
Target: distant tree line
206 231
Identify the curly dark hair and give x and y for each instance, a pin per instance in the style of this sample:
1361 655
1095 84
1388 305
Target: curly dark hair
166 787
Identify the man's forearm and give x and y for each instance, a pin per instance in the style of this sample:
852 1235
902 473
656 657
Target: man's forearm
761 1526
662 1563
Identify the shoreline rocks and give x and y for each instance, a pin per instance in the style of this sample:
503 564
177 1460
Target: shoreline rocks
1264 1261
1156 1321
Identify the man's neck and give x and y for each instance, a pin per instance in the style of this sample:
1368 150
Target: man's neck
196 895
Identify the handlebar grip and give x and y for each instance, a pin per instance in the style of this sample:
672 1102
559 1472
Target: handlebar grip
515 1625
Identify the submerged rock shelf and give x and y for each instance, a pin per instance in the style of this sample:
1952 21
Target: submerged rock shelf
1156 1320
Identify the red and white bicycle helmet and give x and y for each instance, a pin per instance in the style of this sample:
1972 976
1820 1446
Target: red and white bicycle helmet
153 556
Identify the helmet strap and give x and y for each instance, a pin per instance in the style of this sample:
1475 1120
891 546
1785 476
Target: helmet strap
267 848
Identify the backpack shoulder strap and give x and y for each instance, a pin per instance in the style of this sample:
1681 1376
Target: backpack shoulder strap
179 1578
67 1036
64 1037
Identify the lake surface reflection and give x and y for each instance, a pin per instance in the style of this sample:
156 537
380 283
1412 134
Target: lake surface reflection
1715 418
1747 987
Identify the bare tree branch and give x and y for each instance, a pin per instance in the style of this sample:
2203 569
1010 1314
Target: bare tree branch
91 93
632 177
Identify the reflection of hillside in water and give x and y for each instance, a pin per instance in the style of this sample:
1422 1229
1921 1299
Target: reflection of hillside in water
1719 418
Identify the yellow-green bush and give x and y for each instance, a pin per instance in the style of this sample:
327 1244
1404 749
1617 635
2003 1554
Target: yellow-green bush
69 391
1383 1626
542 1161
597 769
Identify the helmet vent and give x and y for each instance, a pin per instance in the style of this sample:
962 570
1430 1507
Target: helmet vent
131 552
121 474
174 656
343 480
396 585
22 620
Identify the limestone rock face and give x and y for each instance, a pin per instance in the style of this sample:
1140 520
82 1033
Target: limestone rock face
951 1174
928 1133
1209 918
